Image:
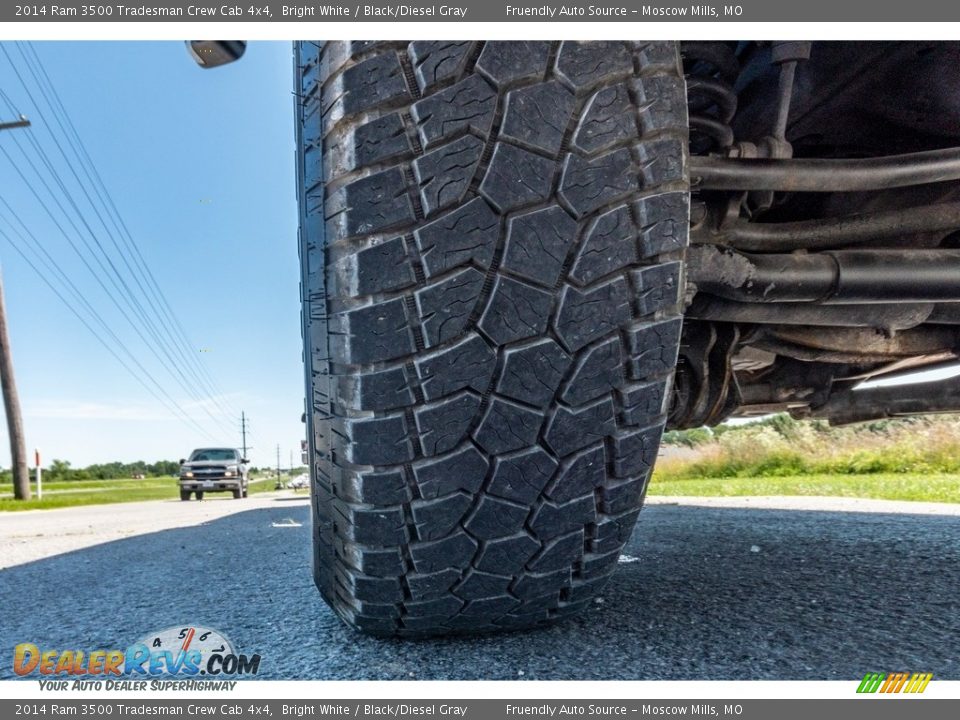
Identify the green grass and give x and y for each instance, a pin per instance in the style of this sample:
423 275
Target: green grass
909 459
883 486
101 492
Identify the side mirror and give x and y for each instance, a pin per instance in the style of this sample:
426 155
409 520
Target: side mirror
244 461
182 461
214 53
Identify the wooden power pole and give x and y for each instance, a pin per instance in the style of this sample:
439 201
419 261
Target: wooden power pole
11 404
11 401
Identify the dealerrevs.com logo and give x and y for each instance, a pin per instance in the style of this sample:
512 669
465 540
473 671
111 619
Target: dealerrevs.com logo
190 652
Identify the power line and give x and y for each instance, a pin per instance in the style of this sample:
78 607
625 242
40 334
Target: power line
176 409
46 208
51 265
80 300
119 281
154 290
154 294
149 326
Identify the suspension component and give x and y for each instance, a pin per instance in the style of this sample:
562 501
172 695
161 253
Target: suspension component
711 69
835 232
855 346
787 55
825 175
705 388
885 402
840 276
890 317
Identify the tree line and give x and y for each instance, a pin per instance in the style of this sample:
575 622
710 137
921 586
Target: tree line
788 428
61 471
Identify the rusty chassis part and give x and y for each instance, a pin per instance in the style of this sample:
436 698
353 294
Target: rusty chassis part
852 406
705 387
788 384
833 277
855 345
888 316
830 233
825 174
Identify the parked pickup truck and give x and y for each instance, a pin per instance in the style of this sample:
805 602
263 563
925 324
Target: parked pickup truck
213 470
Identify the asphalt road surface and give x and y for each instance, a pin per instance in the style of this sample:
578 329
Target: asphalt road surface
703 592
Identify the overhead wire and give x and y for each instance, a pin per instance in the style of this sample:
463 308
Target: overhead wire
155 296
160 394
79 296
138 309
148 326
66 235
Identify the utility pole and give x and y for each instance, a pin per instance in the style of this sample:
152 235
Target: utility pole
11 401
11 404
243 429
278 461
18 123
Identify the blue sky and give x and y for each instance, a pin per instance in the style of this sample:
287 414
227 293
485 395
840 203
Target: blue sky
200 164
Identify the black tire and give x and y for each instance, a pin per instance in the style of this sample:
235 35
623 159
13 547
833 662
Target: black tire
199 494
491 246
184 494
237 494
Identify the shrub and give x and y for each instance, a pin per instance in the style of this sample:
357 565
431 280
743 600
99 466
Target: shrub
781 446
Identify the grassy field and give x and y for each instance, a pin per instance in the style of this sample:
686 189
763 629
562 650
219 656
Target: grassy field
99 492
672 479
880 486
902 459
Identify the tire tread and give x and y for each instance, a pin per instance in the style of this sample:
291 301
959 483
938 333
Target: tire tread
491 302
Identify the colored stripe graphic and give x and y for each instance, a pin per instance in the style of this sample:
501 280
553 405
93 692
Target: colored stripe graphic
894 682
919 684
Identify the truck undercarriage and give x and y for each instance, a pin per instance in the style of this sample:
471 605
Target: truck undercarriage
824 243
